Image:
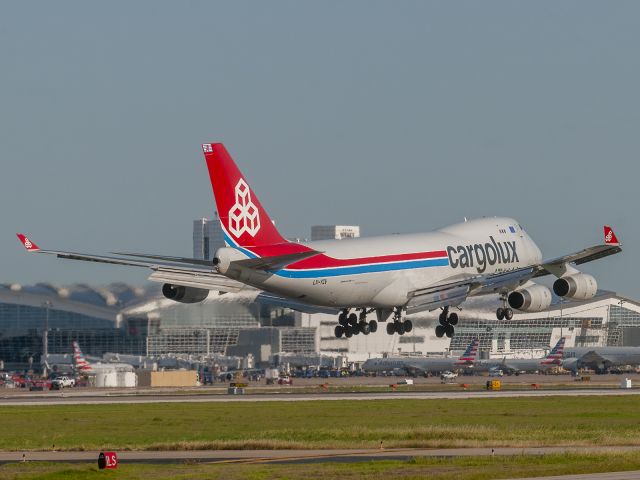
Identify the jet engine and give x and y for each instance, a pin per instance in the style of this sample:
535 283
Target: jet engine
580 286
533 298
179 293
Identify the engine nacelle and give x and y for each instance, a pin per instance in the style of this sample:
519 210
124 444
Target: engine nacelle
531 299
179 293
224 257
580 286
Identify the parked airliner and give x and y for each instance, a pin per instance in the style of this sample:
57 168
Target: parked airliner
424 365
388 275
82 366
552 360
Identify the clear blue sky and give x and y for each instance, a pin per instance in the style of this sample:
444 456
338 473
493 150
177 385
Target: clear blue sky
398 116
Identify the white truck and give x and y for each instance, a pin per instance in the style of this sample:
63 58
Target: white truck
59 383
448 376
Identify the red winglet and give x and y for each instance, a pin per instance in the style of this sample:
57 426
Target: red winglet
610 237
28 244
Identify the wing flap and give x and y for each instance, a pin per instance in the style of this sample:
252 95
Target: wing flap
451 296
204 280
164 258
274 300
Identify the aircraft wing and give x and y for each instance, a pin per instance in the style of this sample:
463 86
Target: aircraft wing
558 266
454 293
175 270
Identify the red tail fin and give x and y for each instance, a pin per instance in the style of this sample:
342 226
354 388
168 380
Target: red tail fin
243 219
609 236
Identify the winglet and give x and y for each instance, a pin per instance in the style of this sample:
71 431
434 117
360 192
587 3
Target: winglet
28 244
610 237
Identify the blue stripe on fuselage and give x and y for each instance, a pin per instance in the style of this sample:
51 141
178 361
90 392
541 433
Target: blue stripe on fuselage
355 270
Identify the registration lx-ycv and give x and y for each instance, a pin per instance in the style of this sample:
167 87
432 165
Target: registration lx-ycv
364 281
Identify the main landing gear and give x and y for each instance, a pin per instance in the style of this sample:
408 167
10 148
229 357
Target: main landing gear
447 323
504 312
350 324
398 326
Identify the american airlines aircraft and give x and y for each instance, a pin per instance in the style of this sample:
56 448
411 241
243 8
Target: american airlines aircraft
423 365
600 358
388 276
552 359
82 365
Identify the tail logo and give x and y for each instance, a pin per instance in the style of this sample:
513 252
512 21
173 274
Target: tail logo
243 216
27 243
609 236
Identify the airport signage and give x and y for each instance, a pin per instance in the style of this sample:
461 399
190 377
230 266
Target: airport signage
107 460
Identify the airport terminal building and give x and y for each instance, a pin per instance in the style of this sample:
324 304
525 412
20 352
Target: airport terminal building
140 321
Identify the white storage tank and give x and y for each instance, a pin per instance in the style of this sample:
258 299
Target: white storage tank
106 379
127 379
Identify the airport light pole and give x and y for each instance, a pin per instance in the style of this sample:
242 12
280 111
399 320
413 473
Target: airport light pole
45 338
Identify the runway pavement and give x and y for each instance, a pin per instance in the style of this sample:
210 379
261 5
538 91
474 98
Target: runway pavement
87 398
632 475
295 456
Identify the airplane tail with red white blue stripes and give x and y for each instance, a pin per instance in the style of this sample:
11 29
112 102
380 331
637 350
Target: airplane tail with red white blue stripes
555 355
468 358
79 362
244 221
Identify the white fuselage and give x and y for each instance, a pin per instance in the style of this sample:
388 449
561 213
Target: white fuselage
409 364
384 270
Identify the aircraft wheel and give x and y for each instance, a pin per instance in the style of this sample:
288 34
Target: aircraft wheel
361 325
399 326
508 314
449 331
443 319
500 313
391 328
339 331
353 319
373 326
348 333
439 331
355 329
408 326
453 318
365 329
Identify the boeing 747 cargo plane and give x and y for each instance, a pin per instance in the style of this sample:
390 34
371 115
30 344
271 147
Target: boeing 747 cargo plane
389 276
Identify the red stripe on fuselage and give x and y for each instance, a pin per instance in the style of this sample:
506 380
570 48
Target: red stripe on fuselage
325 261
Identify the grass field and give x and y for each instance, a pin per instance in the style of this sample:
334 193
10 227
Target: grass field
437 468
515 422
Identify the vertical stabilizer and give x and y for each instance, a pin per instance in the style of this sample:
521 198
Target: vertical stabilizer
244 220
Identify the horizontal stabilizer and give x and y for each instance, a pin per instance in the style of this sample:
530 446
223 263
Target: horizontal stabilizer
276 262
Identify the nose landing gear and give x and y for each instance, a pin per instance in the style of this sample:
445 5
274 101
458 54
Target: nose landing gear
447 323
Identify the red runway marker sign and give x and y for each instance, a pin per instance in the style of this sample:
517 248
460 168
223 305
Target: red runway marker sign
107 460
